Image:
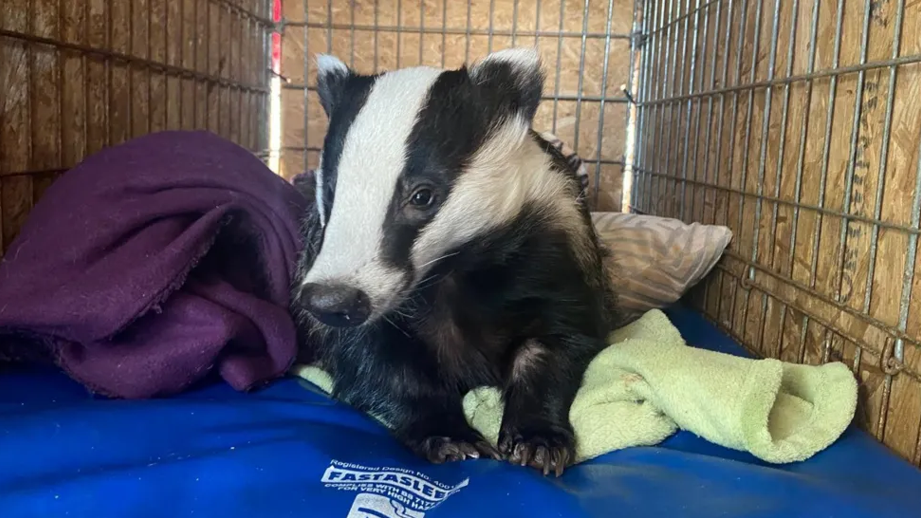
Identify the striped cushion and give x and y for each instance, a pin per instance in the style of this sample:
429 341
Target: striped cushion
656 260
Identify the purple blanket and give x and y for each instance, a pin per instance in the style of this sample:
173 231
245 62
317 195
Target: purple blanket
155 263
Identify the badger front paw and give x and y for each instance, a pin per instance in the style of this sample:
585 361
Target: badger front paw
440 448
546 447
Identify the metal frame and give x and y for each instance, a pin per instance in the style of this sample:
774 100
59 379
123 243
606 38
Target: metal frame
553 96
687 76
695 152
664 107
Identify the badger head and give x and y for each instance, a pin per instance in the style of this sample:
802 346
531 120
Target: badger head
416 163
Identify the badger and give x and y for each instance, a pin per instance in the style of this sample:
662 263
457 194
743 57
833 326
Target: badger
449 249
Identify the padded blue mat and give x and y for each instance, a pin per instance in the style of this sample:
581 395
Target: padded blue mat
287 451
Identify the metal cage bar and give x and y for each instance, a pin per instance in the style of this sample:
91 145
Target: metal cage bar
815 202
737 113
574 103
438 31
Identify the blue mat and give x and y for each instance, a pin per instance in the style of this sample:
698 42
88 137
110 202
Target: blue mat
288 451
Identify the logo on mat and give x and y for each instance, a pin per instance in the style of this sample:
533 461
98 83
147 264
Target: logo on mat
387 492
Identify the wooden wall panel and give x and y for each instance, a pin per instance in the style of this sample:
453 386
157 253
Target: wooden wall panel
80 75
812 132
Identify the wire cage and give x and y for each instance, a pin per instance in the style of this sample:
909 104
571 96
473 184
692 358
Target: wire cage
793 122
797 124
76 76
585 46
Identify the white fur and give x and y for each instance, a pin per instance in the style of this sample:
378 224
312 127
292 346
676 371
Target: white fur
373 157
327 64
505 174
318 191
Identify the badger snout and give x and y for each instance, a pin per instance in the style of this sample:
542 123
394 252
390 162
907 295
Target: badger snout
336 305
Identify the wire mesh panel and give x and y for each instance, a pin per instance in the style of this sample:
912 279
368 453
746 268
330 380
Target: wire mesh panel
584 44
797 124
79 75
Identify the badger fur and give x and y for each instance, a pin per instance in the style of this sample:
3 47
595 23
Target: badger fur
449 250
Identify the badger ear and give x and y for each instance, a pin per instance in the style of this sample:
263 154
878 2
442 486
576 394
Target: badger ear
514 76
332 74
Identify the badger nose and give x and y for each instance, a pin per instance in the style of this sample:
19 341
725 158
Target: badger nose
336 304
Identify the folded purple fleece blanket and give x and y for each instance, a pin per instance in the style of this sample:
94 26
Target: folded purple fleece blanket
154 263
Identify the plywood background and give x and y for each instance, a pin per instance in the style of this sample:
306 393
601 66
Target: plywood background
797 124
79 75
374 35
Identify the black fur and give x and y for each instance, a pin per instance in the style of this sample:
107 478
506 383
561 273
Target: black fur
520 291
331 88
458 118
347 100
511 89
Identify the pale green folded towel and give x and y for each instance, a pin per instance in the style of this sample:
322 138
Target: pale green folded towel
649 383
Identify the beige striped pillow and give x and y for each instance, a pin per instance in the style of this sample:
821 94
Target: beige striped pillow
657 260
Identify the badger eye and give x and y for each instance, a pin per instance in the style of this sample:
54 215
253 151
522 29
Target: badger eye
422 198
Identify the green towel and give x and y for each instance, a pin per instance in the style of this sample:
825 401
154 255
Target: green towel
649 383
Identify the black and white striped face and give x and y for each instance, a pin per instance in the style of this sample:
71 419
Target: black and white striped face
416 163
